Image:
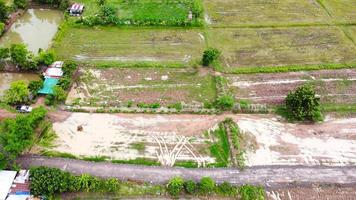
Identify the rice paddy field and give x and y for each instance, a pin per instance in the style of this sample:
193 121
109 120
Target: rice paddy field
113 44
237 13
258 47
118 87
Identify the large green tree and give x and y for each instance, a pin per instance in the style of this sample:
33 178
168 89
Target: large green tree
303 104
19 54
17 93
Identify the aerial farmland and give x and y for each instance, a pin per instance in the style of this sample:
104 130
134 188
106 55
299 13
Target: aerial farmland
191 99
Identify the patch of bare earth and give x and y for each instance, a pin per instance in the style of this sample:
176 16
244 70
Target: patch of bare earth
313 193
337 86
166 138
117 87
332 142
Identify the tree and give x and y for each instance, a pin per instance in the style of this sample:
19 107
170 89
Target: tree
210 55
225 102
35 86
46 57
303 104
175 186
4 11
17 93
19 54
68 68
18 134
20 3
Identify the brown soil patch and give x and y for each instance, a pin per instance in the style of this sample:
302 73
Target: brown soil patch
337 86
313 193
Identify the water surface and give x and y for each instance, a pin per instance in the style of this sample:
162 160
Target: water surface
36 28
7 78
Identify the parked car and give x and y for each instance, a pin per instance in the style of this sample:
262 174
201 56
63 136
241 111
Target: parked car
76 9
24 109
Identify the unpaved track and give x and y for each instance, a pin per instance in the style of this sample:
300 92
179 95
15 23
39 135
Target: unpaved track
268 176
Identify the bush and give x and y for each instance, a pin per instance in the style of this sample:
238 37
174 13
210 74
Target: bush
35 86
178 106
20 3
206 185
64 83
46 57
190 187
17 93
225 102
210 55
303 104
226 189
58 96
68 68
250 192
4 11
47 181
175 186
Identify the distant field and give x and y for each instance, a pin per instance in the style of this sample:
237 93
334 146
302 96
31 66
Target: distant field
117 87
341 10
282 46
260 12
113 44
336 87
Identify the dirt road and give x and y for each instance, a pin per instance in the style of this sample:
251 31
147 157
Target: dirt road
268 176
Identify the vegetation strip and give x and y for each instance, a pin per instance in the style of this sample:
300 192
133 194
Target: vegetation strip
52 181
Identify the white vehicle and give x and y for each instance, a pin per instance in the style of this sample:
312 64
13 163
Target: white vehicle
24 109
76 9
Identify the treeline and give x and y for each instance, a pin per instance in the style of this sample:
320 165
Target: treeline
19 55
18 134
50 181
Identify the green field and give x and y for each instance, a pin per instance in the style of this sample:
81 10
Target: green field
130 45
145 9
232 13
283 46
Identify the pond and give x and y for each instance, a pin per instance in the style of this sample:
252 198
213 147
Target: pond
36 28
7 78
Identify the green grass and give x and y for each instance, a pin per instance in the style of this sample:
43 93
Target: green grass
139 146
115 46
339 108
138 161
186 164
288 68
220 149
144 9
